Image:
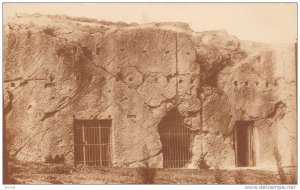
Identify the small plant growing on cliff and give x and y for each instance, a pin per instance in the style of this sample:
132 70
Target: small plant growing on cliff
202 161
293 173
146 174
239 177
218 175
48 159
218 149
55 160
293 177
49 31
59 169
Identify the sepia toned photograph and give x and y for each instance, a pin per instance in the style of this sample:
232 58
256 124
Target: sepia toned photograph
149 93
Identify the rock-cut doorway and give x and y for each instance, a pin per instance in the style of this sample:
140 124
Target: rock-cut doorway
175 140
244 144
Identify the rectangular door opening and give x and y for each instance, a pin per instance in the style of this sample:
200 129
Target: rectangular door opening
92 142
244 144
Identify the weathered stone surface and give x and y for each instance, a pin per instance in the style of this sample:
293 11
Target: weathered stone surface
57 69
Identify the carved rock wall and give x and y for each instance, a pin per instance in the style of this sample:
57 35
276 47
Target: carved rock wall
68 69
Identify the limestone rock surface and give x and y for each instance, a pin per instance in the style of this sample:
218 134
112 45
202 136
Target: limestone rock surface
58 68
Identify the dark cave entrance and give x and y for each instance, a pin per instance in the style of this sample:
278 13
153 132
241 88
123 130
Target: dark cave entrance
175 140
92 142
244 144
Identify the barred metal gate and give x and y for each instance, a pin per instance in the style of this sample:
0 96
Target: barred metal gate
92 142
175 139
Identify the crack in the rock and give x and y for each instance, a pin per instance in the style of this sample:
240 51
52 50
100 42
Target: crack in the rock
9 107
11 80
29 139
156 106
60 105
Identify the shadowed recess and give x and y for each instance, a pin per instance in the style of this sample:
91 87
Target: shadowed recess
175 140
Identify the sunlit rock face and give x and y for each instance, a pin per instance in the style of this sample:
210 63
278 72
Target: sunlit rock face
218 89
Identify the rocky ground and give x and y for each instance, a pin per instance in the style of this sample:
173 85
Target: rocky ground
43 173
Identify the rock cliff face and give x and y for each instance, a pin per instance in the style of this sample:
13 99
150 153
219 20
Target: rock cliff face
57 69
